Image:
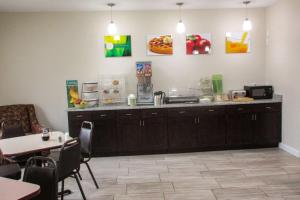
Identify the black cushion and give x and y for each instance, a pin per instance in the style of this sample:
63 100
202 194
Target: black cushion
46 178
12 171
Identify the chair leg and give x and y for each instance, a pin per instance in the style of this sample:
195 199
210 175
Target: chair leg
92 175
62 189
79 176
79 185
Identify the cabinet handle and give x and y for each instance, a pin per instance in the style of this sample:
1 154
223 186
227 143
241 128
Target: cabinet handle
211 110
140 122
268 107
103 115
255 117
79 116
195 120
154 113
198 120
182 112
252 117
128 114
143 122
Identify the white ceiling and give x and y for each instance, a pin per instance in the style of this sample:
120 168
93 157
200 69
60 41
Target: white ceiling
95 5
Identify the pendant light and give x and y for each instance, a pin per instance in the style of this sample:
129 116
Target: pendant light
247 25
111 28
180 25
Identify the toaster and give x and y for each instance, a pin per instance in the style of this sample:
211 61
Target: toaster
235 94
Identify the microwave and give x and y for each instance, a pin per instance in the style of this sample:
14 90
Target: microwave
259 92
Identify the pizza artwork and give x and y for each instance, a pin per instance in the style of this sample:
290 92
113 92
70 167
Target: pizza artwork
161 45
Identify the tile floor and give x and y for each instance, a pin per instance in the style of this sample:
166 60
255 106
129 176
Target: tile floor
261 174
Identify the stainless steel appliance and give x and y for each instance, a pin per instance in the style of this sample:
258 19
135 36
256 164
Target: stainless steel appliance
235 94
159 98
259 92
181 99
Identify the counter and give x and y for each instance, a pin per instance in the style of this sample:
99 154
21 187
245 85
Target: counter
276 99
177 128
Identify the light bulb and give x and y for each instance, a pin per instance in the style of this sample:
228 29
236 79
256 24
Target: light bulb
247 25
112 28
180 27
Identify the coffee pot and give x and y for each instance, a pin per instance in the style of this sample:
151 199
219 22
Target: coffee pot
159 98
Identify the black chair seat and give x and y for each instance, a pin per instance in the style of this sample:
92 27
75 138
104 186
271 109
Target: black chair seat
12 171
45 175
86 137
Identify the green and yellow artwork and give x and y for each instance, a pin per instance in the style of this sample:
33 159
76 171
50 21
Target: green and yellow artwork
117 46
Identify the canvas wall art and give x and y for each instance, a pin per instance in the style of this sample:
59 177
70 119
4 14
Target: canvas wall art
117 46
198 44
238 42
159 45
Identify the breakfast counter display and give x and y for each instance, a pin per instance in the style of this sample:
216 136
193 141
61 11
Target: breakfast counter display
276 99
168 128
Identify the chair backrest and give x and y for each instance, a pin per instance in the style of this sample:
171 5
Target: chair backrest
85 137
43 172
12 128
69 159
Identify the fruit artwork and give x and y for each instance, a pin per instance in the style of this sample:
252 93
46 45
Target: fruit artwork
72 92
198 44
238 42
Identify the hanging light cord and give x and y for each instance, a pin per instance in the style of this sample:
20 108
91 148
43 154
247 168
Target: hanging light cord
179 6
180 19
111 5
111 21
246 4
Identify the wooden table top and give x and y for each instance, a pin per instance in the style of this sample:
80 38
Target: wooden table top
17 190
31 143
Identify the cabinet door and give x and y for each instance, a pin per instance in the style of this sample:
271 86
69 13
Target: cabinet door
129 131
240 127
182 129
268 125
154 134
211 127
75 120
105 135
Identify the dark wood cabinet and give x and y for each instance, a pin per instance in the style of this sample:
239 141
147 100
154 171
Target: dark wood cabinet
240 126
143 131
154 131
254 125
268 125
105 134
182 129
211 127
129 131
75 120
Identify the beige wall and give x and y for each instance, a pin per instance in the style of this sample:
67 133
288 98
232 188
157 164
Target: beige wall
39 51
282 63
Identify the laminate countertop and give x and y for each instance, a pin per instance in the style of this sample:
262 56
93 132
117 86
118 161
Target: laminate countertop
276 99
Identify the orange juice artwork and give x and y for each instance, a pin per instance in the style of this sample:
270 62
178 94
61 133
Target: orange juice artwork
238 42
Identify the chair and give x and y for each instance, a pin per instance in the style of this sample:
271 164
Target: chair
9 168
44 175
85 137
11 128
68 164
25 113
